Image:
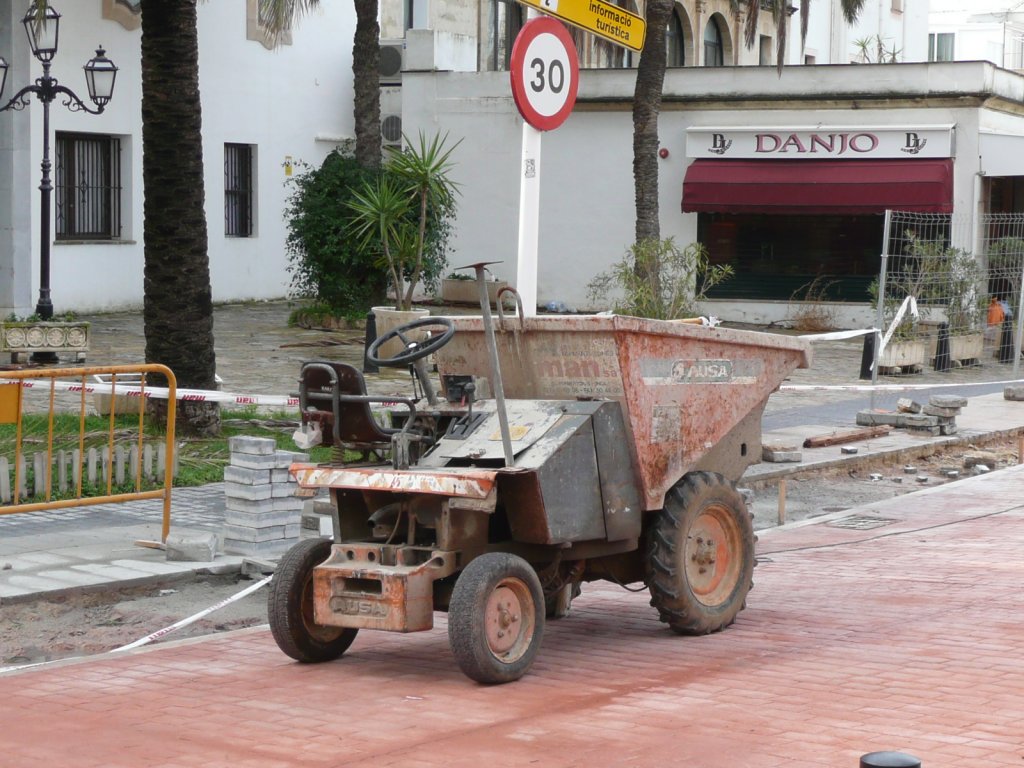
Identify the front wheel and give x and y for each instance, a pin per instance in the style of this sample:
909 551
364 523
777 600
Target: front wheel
496 618
700 555
290 607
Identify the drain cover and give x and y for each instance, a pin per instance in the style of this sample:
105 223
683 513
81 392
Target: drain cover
862 522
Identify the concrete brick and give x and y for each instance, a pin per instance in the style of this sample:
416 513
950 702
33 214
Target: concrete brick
261 520
948 429
200 548
933 431
880 418
253 461
948 401
780 457
1014 392
288 503
938 410
280 476
248 492
260 446
920 420
285 459
244 476
906 405
251 534
239 547
249 506
280 490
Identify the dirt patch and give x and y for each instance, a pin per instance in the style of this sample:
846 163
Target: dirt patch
83 624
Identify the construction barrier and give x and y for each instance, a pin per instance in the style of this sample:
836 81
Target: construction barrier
81 467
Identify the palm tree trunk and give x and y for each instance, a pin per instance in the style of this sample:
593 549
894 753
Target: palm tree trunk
365 72
177 304
650 78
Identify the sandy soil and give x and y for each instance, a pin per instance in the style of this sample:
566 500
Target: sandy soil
92 623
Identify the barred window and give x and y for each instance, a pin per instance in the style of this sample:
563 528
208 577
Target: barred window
238 190
87 175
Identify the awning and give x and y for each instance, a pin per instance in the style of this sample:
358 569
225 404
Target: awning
818 186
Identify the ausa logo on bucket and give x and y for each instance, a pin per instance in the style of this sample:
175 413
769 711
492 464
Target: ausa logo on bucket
702 371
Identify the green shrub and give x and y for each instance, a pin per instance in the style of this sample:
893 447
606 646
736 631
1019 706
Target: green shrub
326 262
658 279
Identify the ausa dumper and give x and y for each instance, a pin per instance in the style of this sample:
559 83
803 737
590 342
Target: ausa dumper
561 450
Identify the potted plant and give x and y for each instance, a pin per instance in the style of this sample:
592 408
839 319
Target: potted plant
62 333
460 288
404 216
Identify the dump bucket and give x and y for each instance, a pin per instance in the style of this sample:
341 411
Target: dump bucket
693 396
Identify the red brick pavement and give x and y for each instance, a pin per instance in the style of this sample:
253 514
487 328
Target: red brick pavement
907 636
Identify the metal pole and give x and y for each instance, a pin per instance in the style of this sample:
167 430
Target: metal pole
492 350
1020 326
44 307
880 315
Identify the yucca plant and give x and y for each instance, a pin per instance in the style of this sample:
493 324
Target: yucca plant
404 213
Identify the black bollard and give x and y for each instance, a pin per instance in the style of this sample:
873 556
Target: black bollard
371 336
941 362
867 356
1006 342
889 760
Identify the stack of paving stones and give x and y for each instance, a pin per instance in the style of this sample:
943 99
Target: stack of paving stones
263 513
1014 392
938 417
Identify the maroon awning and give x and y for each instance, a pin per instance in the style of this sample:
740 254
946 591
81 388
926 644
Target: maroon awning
818 186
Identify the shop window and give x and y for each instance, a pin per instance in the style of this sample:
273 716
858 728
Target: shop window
675 51
764 54
87 182
238 190
810 60
940 46
713 48
507 18
776 257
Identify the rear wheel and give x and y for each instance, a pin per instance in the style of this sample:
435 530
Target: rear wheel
496 618
290 607
700 555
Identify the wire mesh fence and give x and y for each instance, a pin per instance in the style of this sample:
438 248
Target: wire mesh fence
950 289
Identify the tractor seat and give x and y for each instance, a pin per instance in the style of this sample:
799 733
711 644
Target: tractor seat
334 394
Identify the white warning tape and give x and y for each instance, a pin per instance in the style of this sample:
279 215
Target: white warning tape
160 632
194 617
889 387
836 335
158 393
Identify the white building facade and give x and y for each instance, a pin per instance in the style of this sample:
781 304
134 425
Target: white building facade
264 111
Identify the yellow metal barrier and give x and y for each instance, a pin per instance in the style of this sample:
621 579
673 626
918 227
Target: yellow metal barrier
76 380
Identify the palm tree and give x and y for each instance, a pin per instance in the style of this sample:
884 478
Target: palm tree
279 16
177 303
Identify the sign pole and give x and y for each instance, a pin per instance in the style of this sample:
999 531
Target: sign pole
529 220
544 72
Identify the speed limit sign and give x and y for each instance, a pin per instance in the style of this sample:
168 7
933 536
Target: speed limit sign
545 73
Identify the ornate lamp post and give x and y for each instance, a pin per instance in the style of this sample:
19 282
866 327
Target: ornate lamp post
42 29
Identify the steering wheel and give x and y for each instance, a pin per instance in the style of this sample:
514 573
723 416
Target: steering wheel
414 350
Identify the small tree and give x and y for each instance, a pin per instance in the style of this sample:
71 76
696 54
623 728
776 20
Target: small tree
404 215
656 278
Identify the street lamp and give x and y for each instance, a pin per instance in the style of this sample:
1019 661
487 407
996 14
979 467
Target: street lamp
42 29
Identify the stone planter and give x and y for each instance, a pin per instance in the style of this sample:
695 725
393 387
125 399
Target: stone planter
902 356
966 349
19 337
467 292
389 318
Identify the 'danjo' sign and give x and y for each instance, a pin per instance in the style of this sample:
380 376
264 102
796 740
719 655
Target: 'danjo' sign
820 142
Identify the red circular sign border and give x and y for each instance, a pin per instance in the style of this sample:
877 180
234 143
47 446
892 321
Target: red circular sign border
531 31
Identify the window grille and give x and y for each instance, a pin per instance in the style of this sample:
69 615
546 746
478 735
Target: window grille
87 176
238 190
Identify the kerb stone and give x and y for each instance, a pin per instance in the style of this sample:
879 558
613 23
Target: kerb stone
201 548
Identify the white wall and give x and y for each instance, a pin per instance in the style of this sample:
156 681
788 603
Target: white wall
587 208
280 101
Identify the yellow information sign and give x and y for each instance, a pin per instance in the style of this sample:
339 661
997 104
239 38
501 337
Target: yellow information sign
604 19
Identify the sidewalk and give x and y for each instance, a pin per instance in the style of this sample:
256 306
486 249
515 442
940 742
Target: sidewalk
904 634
